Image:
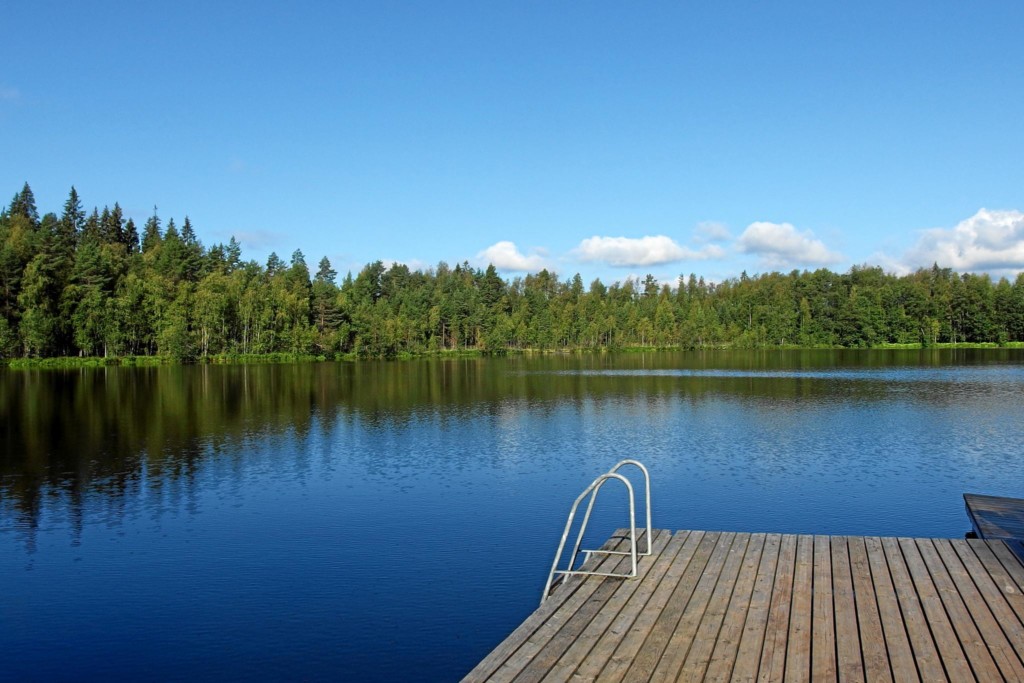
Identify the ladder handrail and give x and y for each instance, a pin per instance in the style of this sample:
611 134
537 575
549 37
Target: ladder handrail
597 484
647 496
592 491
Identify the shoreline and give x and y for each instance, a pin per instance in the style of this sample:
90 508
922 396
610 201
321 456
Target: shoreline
68 362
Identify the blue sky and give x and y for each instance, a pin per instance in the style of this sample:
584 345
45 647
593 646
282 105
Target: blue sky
611 139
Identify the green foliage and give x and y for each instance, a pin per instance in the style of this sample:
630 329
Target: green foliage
82 285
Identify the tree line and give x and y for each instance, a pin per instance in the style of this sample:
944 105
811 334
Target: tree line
94 284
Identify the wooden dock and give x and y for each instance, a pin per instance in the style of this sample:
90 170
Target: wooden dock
716 606
998 518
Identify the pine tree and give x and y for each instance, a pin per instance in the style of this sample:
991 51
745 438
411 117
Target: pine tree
70 226
193 252
274 264
151 237
172 261
91 229
188 235
131 236
24 204
112 225
325 274
233 254
326 313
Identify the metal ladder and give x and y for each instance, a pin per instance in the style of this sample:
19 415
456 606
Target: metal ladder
592 491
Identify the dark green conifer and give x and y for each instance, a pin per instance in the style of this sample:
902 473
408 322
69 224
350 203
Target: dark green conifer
91 227
274 264
131 236
24 204
325 273
112 221
151 237
71 223
233 254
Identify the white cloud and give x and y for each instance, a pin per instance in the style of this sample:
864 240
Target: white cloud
506 256
9 94
989 241
888 263
641 251
780 245
711 231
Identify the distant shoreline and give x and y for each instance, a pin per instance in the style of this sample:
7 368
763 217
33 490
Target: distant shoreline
282 358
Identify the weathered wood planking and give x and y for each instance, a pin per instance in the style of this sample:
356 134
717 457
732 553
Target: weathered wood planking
710 606
995 517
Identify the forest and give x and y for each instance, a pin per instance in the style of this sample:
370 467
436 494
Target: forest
93 284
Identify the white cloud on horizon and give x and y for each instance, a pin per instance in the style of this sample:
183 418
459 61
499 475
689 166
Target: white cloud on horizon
782 246
505 256
641 251
990 241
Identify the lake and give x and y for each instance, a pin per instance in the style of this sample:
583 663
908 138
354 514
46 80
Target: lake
396 520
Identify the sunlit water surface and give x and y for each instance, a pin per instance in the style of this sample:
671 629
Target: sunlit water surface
394 521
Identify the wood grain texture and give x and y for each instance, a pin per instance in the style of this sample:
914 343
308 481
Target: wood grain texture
722 606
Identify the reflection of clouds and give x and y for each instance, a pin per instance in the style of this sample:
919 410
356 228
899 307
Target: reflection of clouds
508 433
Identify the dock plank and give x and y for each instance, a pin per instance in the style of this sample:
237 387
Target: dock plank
772 667
748 655
798 644
848 657
823 628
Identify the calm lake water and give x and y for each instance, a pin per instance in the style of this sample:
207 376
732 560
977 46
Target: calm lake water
394 521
